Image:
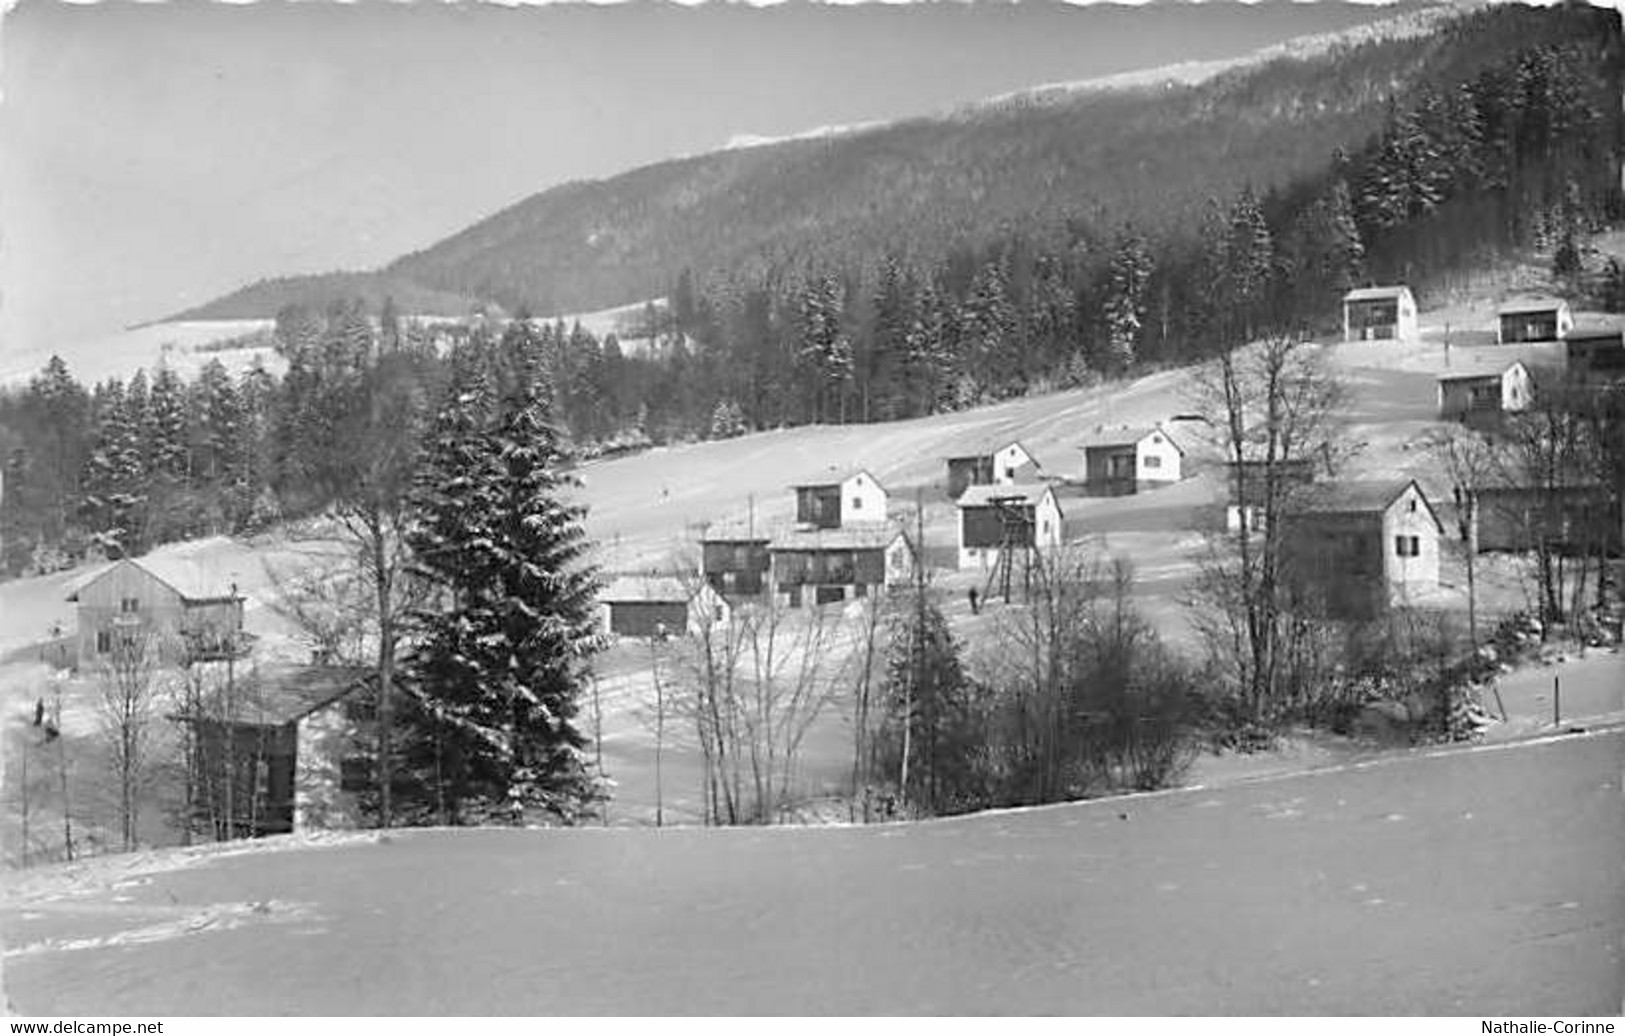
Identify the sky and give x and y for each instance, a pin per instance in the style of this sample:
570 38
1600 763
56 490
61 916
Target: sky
155 156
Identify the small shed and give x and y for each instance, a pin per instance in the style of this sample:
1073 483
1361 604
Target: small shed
649 605
1007 465
858 497
1532 319
1025 516
831 565
1371 314
1485 392
282 748
1128 458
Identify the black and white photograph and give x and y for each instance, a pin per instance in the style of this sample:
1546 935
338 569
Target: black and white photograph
819 510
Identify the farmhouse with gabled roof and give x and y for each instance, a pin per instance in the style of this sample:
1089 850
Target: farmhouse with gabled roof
187 615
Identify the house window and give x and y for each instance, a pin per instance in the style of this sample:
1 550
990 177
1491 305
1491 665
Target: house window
104 641
716 613
1010 474
1153 462
1408 546
129 604
857 503
1410 506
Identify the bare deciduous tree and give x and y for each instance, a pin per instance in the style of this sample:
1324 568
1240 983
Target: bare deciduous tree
128 708
1275 412
1469 459
756 683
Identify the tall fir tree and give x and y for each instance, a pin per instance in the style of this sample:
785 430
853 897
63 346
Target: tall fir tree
501 664
115 478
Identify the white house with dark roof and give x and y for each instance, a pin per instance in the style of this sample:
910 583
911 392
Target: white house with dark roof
1485 390
1532 318
1378 313
858 497
1025 516
1007 465
1355 548
1127 458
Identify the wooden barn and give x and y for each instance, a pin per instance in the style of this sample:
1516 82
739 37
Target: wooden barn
652 605
186 615
1354 549
1124 460
1572 520
1026 516
1532 319
1005 466
859 497
822 566
1380 313
281 749
1595 356
1484 393
734 558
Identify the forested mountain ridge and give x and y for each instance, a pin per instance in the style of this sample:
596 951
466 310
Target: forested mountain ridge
1037 162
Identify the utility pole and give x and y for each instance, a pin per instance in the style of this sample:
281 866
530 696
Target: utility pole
660 723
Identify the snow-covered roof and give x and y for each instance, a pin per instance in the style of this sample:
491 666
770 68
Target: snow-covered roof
664 589
1028 493
1482 371
1361 496
839 480
192 581
271 695
1530 304
1377 294
1124 435
737 530
852 536
989 454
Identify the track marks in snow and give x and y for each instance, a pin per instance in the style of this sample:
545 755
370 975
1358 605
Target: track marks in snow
219 917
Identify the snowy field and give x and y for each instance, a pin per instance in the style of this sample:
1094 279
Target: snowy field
1461 882
182 344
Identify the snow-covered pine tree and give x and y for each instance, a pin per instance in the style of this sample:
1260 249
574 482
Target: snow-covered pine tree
114 480
502 659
